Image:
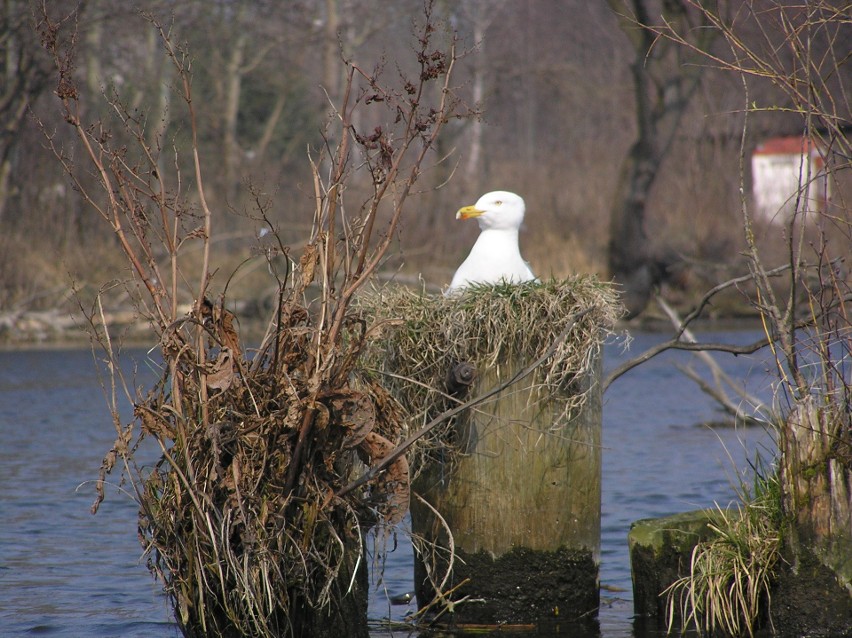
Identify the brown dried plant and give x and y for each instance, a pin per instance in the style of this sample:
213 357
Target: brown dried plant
244 518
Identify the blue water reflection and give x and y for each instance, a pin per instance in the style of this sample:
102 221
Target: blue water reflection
64 572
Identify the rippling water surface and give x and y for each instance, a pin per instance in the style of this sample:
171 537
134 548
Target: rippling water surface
64 572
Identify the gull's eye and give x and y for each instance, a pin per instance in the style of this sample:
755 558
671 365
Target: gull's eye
498 202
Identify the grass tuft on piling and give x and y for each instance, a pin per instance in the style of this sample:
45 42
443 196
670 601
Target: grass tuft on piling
728 588
434 348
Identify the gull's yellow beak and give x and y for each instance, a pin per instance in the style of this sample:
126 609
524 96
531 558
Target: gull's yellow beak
468 211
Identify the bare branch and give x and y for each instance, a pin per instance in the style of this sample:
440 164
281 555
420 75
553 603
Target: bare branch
719 375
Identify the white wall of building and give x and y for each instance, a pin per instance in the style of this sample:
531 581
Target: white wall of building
779 183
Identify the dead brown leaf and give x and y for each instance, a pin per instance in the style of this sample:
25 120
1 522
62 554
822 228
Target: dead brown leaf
228 334
356 412
308 263
221 372
393 486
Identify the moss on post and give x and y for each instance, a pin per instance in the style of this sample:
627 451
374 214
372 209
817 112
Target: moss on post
660 554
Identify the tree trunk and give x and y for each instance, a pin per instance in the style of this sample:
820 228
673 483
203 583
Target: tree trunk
233 89
94 50
631 261
332 70
473 168
23 77
663 89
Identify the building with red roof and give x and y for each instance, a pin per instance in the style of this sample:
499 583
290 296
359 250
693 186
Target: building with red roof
788 178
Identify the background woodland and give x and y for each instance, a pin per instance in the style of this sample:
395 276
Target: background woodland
572 95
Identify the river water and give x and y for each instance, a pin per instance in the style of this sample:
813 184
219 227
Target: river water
64 572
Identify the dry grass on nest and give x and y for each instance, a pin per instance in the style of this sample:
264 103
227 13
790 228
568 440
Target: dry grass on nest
491 327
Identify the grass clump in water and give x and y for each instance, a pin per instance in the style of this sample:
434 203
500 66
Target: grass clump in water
730 575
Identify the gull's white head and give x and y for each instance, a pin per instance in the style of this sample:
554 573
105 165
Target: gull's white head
498 210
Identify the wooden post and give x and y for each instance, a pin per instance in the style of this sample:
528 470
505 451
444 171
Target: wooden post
522 503
816 475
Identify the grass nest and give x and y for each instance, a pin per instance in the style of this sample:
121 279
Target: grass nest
435 347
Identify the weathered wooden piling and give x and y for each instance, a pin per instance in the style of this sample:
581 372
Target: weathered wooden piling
506 505
522 502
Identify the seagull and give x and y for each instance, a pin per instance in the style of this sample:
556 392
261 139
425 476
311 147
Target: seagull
495 256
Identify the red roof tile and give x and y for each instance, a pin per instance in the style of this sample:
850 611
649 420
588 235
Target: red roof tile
792 145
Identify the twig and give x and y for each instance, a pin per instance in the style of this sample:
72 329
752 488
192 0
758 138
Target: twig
736 281
440 594
719 375
677 344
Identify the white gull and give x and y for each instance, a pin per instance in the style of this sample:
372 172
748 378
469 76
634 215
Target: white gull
495 256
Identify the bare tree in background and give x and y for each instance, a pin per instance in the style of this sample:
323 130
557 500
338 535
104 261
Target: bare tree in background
25 71
664 83
559 118
479 14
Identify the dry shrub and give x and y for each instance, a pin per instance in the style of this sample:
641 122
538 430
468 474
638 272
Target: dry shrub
428 337
235 539
254 515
